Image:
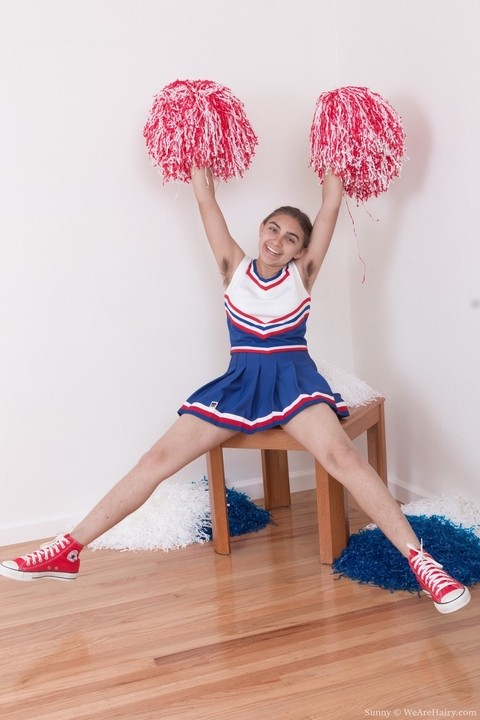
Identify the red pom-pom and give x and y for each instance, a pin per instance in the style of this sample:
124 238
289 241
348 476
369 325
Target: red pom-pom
357 135
199 123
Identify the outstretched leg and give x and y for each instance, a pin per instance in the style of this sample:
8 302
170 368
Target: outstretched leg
317 428
319 431
187 439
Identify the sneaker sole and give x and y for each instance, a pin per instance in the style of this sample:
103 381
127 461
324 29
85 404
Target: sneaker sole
28 576
454 605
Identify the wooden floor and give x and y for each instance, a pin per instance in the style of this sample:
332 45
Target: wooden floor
265 634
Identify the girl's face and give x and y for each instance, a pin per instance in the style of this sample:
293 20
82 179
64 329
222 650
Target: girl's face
281 240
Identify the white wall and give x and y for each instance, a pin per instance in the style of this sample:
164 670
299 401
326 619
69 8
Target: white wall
416 321
111 307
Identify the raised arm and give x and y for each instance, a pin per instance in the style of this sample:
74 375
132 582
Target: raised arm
311 261
227 252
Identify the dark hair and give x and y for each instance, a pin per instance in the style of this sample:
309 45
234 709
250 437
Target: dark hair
302 219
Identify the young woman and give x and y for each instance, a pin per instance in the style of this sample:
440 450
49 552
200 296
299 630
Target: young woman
271 380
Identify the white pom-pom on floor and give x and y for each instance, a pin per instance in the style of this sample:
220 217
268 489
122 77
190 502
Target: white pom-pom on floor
172 518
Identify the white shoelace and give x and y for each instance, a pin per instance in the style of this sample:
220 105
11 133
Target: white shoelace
429 570
48 549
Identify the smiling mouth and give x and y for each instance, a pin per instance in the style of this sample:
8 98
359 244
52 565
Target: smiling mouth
271 250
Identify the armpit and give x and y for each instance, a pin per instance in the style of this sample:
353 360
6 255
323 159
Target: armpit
226 270
309 269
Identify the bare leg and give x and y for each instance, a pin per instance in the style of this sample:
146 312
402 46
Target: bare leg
187 439
317 428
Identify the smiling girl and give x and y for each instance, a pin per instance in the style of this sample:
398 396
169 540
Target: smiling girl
271 380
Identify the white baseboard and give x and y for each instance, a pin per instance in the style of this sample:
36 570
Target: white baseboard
50 527
405 492
305 480
253 487
47 528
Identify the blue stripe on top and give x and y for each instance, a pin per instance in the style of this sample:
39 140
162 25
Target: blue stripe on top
282 300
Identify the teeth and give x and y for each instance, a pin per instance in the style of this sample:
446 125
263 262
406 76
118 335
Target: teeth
272 251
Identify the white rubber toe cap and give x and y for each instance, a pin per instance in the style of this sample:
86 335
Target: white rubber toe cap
10 569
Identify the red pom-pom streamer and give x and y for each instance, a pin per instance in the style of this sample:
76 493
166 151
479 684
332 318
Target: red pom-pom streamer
357 135
199 123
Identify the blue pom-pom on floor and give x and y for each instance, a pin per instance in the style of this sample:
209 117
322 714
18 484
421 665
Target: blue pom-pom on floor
371 558
244 516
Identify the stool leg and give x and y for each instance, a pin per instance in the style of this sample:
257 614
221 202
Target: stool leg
377 447
218 501
276 483
333 526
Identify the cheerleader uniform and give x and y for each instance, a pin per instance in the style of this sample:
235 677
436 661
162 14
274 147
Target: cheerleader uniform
271 376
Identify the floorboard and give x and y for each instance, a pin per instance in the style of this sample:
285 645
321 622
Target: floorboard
267 633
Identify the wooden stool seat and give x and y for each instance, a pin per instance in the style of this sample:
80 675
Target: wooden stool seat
331 499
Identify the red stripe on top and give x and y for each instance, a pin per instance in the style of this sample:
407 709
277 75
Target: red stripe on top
269 333
269 322
269 285
267 351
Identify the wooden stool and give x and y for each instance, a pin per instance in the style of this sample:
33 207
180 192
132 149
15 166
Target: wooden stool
274 444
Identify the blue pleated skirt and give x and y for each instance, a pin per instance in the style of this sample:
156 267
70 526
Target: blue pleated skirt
262 390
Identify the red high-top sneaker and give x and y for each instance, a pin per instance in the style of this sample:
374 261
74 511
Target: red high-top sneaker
447 593
57 559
